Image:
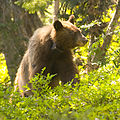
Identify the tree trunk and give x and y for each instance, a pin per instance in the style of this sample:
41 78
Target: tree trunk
110 31
56 9
100 54
16 26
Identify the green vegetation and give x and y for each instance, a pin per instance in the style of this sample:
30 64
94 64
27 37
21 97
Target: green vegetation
95 97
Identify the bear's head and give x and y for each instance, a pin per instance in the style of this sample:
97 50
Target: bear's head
66 35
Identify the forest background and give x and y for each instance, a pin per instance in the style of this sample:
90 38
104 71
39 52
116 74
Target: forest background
98 94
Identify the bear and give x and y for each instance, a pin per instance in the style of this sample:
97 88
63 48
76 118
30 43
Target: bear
50 47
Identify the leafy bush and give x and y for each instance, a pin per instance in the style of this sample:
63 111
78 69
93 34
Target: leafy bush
95 97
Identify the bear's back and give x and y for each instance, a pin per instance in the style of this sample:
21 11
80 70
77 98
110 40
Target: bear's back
42 33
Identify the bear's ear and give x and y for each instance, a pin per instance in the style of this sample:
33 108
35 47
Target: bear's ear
71 19
57 25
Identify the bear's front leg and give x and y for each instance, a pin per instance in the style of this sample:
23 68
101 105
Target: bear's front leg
67 71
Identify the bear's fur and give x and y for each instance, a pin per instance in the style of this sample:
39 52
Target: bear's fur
50 47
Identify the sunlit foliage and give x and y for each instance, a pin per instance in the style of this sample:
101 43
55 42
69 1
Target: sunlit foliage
96 97
3 69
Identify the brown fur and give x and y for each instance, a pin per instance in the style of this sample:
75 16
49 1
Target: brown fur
50 47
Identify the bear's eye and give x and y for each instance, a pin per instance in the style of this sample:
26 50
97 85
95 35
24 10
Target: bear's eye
77 33
71 32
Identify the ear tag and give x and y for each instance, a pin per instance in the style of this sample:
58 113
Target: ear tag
53 46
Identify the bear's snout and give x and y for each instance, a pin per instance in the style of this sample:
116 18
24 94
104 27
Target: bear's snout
81 41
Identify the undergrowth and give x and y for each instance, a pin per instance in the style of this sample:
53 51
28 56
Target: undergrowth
97 96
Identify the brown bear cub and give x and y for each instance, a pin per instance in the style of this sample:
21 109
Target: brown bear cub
50 47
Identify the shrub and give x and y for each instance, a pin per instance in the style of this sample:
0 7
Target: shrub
95 97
